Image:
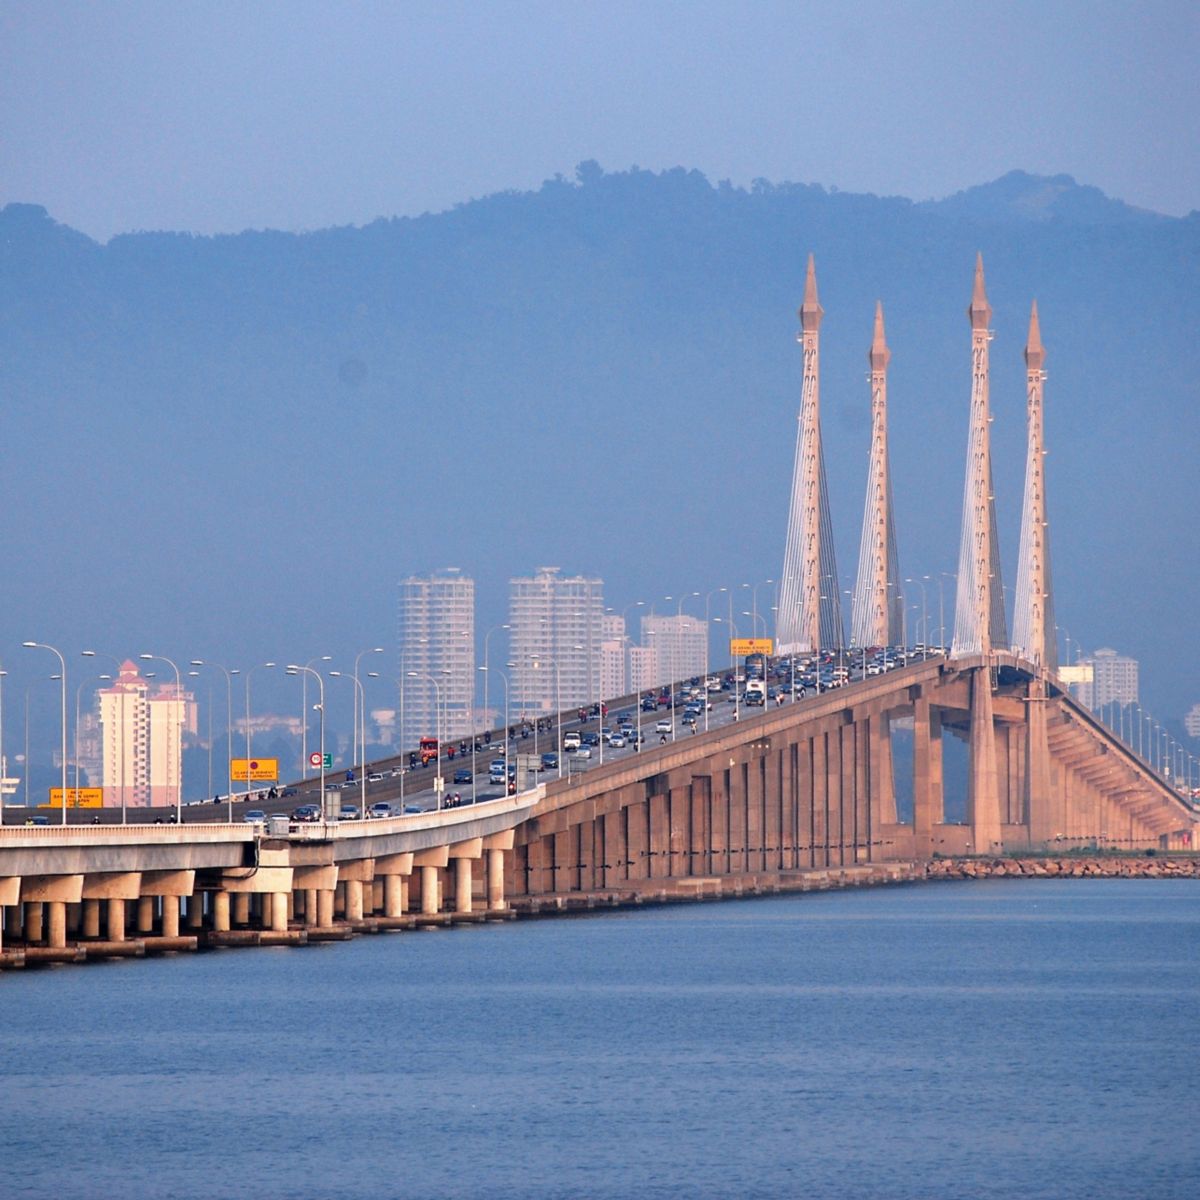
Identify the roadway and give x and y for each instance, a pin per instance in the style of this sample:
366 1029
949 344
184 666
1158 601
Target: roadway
405 787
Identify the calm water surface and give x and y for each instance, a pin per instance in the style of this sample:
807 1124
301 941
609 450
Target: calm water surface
1015 1039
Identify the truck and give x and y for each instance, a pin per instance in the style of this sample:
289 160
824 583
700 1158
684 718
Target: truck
429 750
756 692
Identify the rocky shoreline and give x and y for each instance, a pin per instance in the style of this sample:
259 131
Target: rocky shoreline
1067 867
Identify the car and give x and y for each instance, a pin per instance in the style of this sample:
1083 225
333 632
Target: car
550 760
463 775
255 816
289 791
591 738
413 808
375 777
381 808
307 813
348 812
397 772
572 740
649 704
582 752
664 726
617 741
690 718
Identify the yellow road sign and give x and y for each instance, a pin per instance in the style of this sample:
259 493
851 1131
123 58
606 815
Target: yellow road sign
255 770
76 798
740 647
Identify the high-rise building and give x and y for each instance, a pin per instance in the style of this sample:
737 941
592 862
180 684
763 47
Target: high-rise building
613 649
644 670
556 628
1114 680
679 643
142 746
1191 722
437 655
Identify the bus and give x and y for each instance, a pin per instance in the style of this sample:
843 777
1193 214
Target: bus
429 750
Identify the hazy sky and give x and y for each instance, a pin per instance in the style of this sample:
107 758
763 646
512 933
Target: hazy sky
221 116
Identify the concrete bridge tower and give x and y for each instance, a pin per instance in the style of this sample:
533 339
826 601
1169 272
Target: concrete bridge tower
1033 616
979 626
878 614
810 608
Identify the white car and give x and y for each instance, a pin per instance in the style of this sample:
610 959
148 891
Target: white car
582 752
375 777
663 726
617 741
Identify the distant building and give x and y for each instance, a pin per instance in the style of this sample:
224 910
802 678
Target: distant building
614 678
555 632
644 670
679 642
142 742
437 655
1114 680
1192 722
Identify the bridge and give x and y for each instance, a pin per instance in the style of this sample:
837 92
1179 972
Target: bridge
778 799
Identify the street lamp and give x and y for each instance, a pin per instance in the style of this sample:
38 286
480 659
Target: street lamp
487 679
439 782
75 755
920 582
363 774
304 713
296 669
121 758
199 662
250 671
63 681
179 713
361 695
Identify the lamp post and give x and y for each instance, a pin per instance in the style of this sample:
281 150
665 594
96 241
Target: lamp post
360 700
250 671
362 775
121 758
504 740
487 679
63 682
707 647
75 755
941 608
179 702
296 669
440 782
304 713
920 582
199 662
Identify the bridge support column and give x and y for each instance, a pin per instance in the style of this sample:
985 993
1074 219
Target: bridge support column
983 787
90 922
33 921
462 885
279 910
393 896
1039 802
195 913
170 916
495 880
116 920
56 933
927 776
241 908
220 913
354 900
430 862
325 907
429 889
310 907
145 914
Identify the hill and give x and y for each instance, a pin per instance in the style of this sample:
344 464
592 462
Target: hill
235 446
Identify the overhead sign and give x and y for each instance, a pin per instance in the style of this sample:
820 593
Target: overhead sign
1079 673
315 759
254 770
76 798
740 647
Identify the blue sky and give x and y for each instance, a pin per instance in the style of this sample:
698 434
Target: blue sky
222 116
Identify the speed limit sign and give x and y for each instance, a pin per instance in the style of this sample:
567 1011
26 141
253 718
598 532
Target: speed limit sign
314 759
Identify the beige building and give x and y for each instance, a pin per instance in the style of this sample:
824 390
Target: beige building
1114 680
142 740
556 629
437 643
679 644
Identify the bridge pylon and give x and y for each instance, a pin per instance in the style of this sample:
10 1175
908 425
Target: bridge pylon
877 618
810 609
